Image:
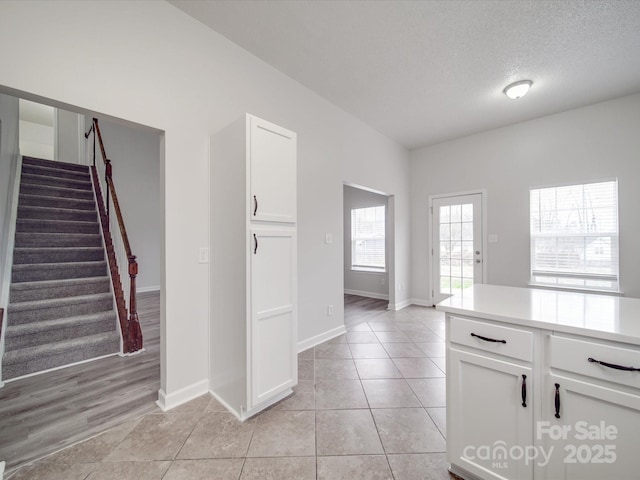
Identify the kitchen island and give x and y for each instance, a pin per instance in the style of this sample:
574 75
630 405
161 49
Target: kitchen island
542 384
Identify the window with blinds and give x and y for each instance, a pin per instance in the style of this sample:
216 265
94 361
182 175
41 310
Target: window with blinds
368 238
574 236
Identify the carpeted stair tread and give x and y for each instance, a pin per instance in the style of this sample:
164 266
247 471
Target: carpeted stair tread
33 272
49 191
55 226
31 239
38 333
28 200
30 291
55 181
24 361
54 164
57 255
48 213
38 310
30 169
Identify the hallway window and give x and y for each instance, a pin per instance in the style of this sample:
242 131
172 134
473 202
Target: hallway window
574 236
368 239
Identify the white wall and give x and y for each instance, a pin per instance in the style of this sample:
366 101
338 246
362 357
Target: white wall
9 152
149 63
69 136
135 157
37 130
374 284
601 141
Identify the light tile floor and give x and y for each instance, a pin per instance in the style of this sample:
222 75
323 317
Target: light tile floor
369 405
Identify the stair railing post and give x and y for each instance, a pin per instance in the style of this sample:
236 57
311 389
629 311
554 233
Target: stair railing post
135 333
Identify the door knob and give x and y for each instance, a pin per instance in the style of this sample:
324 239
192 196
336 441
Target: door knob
478 260
477 252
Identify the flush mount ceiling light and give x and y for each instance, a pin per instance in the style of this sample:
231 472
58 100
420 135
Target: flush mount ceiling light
517 89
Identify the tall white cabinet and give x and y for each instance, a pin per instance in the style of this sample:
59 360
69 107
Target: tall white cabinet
253 334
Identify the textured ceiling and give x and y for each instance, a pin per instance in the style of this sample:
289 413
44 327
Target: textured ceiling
422 72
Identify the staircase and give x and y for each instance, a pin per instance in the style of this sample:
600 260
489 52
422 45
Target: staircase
61 308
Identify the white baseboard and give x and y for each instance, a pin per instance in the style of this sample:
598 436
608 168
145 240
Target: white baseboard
152 288
318 339
1 470
422 303
379 296
400 305
172 400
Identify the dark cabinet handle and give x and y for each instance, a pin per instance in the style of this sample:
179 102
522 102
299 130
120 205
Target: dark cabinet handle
255 240
255 205
524 390
557 400
613 365
487 339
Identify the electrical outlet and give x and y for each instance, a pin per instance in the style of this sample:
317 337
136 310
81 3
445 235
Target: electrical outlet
329 310
382 281
203 255
328 238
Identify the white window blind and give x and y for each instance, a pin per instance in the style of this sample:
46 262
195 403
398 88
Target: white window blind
574 236
368 238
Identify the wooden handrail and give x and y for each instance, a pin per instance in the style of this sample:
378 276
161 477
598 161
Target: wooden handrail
129 325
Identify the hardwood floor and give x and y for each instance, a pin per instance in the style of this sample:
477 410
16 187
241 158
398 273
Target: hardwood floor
47 412
361 309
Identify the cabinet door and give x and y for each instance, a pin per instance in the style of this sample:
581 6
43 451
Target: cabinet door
272 154
273 331
597 434
486 417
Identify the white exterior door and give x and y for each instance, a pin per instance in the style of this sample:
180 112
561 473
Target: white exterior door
272 153
457 245
273 359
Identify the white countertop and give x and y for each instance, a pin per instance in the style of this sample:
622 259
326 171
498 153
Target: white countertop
600 316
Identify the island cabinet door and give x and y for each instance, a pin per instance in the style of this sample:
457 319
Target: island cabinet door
593 430
490 417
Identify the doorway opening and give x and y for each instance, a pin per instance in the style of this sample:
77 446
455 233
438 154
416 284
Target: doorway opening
368 253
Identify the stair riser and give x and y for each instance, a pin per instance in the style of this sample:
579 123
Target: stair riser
53 164
45 226
55 172
39 213
37 273
57 256
49 335
63 311
28 189
56 182
30 240
56 202
19 295
46 362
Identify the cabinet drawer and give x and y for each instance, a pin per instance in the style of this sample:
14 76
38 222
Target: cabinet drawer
573 355
512 342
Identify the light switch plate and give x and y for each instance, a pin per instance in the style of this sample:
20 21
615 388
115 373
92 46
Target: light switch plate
203 255
328 238
493 238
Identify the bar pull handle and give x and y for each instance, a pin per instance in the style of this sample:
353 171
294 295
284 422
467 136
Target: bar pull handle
524 390
487 339
255 205
557 400
613 365
255 241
